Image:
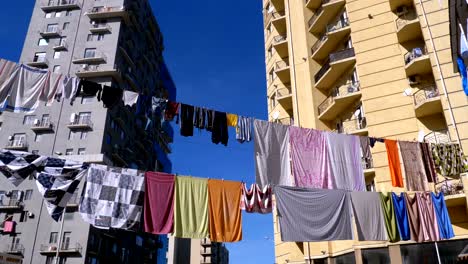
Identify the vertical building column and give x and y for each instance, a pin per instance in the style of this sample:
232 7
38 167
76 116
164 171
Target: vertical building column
395 254
358 255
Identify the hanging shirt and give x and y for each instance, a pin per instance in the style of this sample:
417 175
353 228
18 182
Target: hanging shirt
113 197
427 216
191 208
231 120
58 182
256 200
368 216
21 92
442 215
111 96
449 159
130 98
304 214
428 161
389 217
244 129
394 163
186 120
16 166
272 154
219 134
416 179
68 87
159 202
345 157
399 205
311 165
225 217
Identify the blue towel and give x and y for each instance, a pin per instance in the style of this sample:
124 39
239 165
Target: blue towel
462 69
402 216
443 218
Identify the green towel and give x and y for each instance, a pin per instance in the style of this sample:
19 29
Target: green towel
390 217
191 207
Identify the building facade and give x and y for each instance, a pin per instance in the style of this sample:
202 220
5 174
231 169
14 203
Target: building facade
204 251
381 68
116 43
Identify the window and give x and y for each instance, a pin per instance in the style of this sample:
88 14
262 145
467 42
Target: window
43 42
38 138
53 238
48 15
50 260
62 41
63 260
35 152
66 25
58 14
52 27
84 116
84 135
90 53
68 152
90 37
100 37
39 56
56 54
72 135
29 119
81 151
87 99
68 13
24 216
28 194
370 187
66 240
57 69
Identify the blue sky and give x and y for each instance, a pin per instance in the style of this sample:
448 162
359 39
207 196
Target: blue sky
215 53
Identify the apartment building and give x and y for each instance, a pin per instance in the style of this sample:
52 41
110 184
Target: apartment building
116 43
203 251
381 68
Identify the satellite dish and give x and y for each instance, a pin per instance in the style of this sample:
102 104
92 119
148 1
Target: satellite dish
276 115
408 92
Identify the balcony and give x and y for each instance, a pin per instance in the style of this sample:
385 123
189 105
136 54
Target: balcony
282 70
205 252
324 14
279 21
284 97
96 13
417 62
14 249
62 45
280 44
453 192
100 28
59 5
17 145
97 71
42 126
334 68
278 4
356 127
50 32
395 4
340 99
313 4
92 58
66 249
39 62
427 101
368 167
438 137
83 123
287 121
408 26
334 34
11 204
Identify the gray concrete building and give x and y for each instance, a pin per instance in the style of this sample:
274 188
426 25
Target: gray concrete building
116 43
203 251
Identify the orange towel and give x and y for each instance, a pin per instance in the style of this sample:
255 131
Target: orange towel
394 162
225 216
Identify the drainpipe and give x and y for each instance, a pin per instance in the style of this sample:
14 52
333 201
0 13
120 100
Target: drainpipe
452 117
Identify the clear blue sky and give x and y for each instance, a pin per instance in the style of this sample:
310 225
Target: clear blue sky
215 53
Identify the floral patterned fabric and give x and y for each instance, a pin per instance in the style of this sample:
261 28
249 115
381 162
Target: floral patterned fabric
449 159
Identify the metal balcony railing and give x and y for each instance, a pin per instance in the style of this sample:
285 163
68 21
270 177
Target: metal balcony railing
284 91
337 92
450 187
276 15
279 38
43 124
14 249
352 125
367 163
60 3
322 71
37 59
414 54
318 12
105 9
65 247
288 121
336 56
439 136
82 122
280 65
62 45
406 18
101 26
4 203
330 28
51 31
424 94
17 144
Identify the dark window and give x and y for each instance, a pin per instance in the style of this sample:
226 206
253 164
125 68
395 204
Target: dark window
375 255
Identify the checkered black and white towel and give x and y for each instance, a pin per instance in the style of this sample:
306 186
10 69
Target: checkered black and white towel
58 182
16 166
113 197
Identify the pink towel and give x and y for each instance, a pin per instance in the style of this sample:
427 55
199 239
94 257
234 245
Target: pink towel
9 227
159 202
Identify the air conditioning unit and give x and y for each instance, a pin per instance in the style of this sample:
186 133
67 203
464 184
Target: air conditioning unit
415 79
30 214
10 138
401 10
85 66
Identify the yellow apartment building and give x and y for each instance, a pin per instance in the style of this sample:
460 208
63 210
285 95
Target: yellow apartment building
381 68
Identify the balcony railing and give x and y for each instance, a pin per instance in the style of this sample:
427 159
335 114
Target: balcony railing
367 163
17 144
105 9
280 65
100 28
64 248
414 54
426 93
62 45
39 62
59 5
318 12
330 28
279 39
43 125
337 92
92 57
284 91
450 187
279 14
50 31
406 18
81 123
350 126
436 137
15 249
11 204
288 121
336 56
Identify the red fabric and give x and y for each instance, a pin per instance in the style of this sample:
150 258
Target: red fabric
9 227
172 109
159 202
394 162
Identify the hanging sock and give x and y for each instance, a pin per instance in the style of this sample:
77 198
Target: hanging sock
399 204
416 178
191 208
159 202
113 197
389 217
16 166
394 162
443 217
225 217
368 216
